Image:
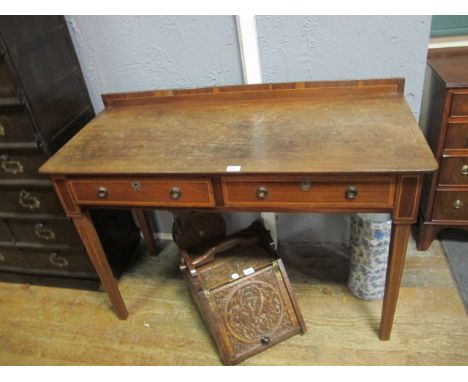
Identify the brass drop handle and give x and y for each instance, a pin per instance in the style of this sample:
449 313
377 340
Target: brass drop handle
464 169
351 192
457 204
27 200
175 193
57 260
262 192
102 192
11 166
42 232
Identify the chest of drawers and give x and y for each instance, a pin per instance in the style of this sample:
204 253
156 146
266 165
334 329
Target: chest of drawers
43 103
444 119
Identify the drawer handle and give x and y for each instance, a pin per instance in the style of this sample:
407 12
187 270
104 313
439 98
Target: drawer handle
2 130
11 166
57 260
262 192
175 193
305 185
2 258
27 200
457 204
265 340
464 169
42 232
102 192
351 192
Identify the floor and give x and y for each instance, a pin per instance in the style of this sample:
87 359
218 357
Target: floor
54 326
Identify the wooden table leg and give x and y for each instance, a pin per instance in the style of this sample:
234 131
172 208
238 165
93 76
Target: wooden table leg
145 227
396 261
88 234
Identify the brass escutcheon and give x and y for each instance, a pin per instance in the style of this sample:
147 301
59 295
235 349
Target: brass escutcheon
136 185
305 185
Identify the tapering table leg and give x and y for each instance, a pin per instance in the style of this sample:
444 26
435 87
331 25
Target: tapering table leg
145 227
90 238
396 261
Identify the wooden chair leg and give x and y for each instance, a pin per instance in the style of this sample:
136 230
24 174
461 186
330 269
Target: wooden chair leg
145 227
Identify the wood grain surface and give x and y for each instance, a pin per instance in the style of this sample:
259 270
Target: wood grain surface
56 326
347 126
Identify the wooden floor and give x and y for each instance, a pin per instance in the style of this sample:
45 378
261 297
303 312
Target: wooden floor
54 326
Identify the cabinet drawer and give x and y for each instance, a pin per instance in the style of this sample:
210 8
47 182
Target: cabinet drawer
4 232
21 165
454 171
59 261
12 257
45 232
459 105
29 200
148 192
451 205
7 83
15 126
457 136
375 192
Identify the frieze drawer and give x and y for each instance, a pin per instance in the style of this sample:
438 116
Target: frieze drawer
45 232
376 192
161 192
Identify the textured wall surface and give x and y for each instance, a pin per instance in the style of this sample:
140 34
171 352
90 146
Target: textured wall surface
130 53
295 48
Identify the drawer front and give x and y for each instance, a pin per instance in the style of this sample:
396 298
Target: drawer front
4 232
457 136
459 105
21 165
376 192
45 232
12 257
150 192
59 261
451 205
7 83
454 171
30 201
15 126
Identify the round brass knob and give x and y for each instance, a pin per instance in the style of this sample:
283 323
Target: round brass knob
102 192
265 340
457 204
175 193
464 169
262 192
305 185
351 192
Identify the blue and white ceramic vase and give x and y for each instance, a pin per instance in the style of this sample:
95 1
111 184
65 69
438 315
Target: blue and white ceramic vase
370 239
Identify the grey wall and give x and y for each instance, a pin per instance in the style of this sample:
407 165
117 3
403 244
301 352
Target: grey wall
130 53
126 53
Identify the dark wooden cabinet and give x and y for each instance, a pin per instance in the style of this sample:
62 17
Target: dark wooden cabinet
43 103
444 119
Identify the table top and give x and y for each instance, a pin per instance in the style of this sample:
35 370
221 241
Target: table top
451 64
294 128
